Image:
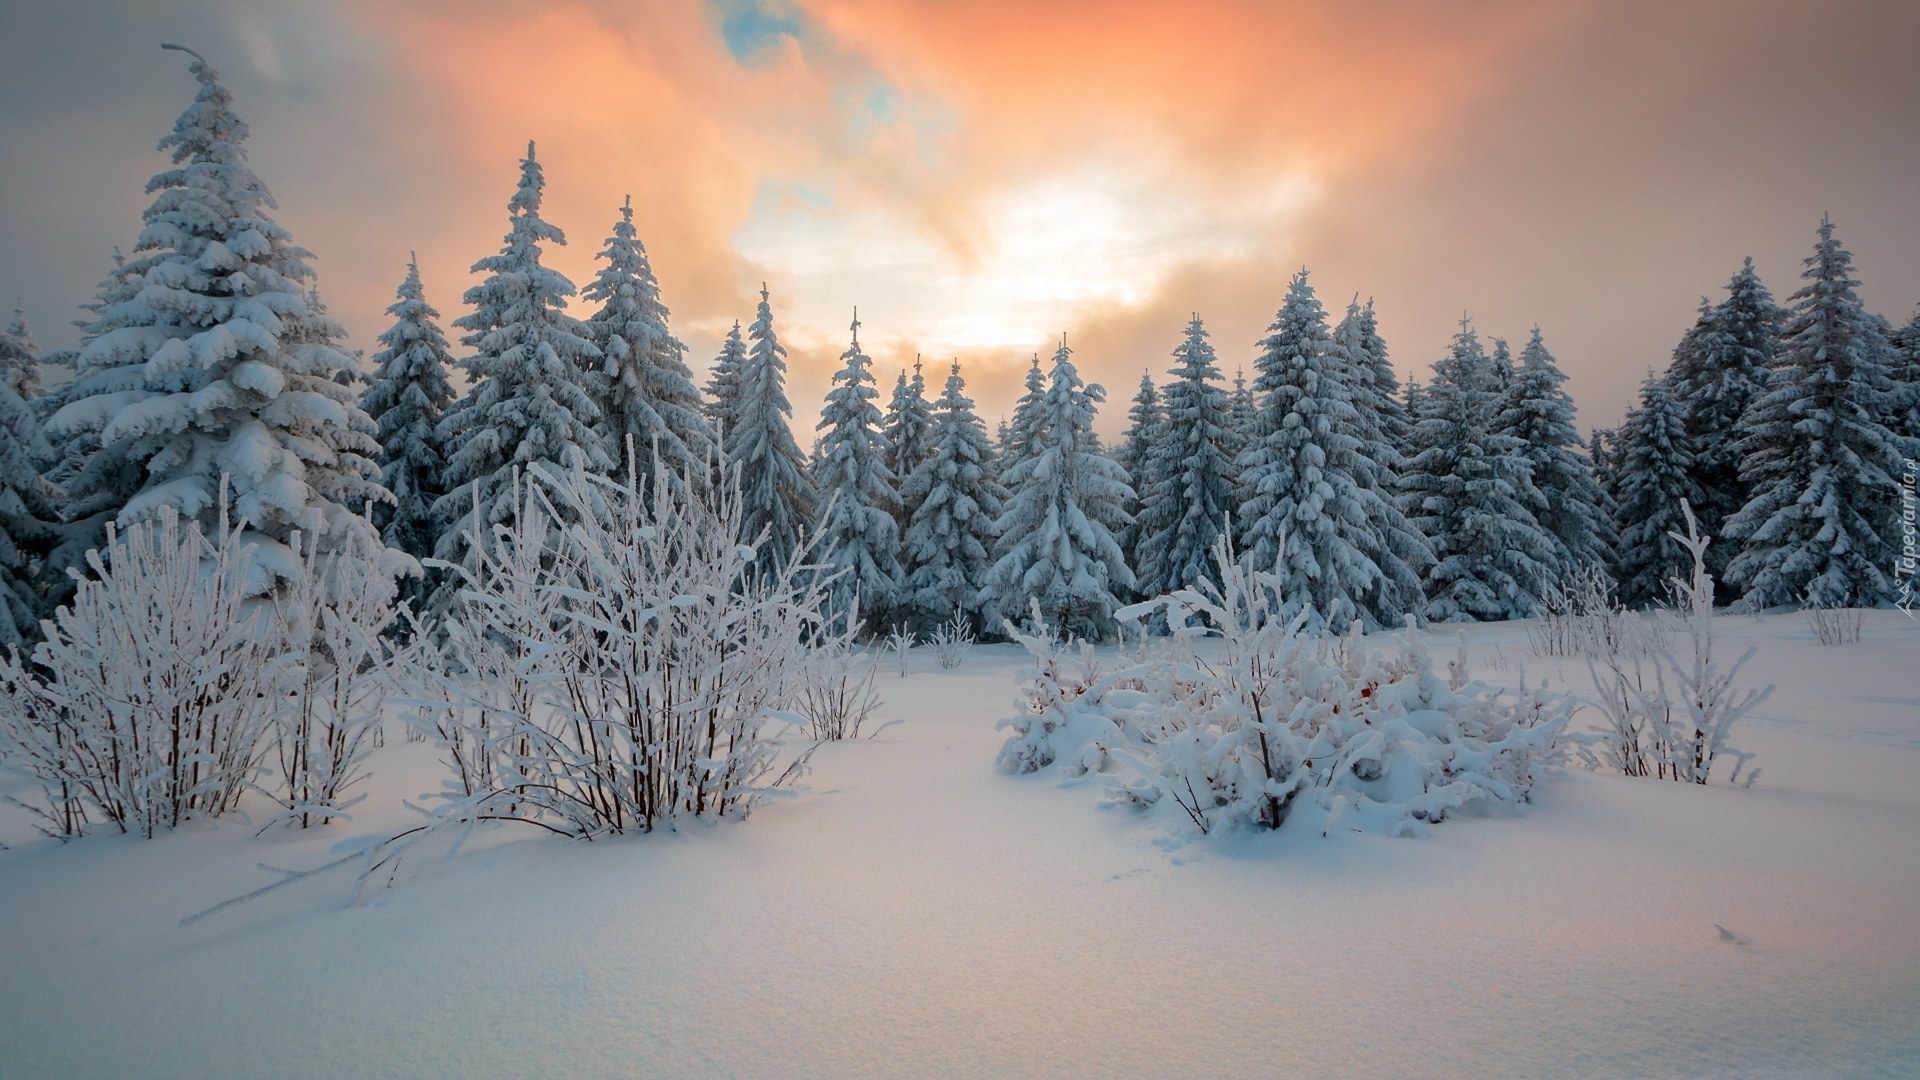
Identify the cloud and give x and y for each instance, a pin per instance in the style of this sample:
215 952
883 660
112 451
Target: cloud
982 175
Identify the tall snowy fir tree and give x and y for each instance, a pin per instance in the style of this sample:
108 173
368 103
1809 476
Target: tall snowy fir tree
1191 472
1376 387
1307 509
321 329
95 485
777 496
948 545
1539 413
1056 542
858 493
1906 378
1016 440
1656 472
1502 368
1815 451
1384 431
529 406
408 395
643 389
1720 365
29 523
1243 414
1470 491
206 361
20 358
724 387
1601 450
1144 421
907 431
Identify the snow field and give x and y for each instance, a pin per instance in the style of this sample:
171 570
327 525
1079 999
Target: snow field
918 913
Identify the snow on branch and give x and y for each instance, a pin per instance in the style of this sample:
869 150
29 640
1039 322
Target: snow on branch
152 699
617 660
1677 731
1246 729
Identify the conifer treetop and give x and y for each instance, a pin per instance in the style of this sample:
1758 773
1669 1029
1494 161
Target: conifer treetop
644 389
208 357
530 405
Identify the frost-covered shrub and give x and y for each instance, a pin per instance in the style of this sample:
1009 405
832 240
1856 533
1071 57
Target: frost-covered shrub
1835 625
613 665
1244 730
1057 714
952 640
900 643
836 691
1677 731
331 613
152 699
1576 612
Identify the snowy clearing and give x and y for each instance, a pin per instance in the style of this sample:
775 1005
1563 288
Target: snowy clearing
918 913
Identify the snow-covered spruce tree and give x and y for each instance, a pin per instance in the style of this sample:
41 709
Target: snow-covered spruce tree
1304 508
1384 432
1817 454
321 329
1243 415
723 386
1603 450
1016 441
1376 387
1906 375
1656 473
1191 472
777 494
217 365
644 389
948 544
407 397
1503 369
1144 421
1539 413
93 485
1470 490
859 537
29 522
907 432
1720 365
20 358
1056 544
529 404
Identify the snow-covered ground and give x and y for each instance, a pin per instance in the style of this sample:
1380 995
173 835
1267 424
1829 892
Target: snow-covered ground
917 913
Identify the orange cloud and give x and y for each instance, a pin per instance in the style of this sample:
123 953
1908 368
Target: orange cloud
976 176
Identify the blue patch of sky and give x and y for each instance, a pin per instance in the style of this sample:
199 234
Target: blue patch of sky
749 27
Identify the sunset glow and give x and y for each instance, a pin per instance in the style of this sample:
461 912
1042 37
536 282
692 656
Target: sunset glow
981 177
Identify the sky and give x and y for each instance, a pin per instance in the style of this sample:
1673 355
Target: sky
981 177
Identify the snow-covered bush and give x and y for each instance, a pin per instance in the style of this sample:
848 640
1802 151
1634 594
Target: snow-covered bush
900 643
1672 732
1056 713
332 614
836 693
1269 718
1580 613
952 640
612 666
152 699
1835 625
